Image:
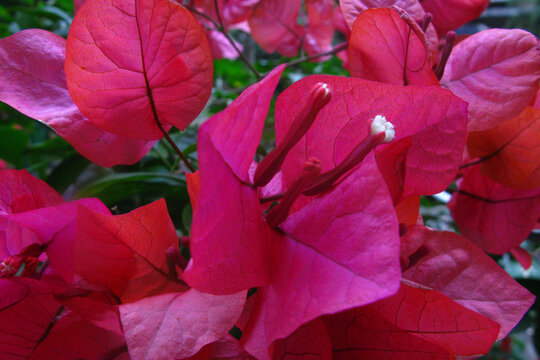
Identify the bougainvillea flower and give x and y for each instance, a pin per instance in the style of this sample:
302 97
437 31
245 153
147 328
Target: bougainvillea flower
511 150
129 255
390 48
132 267
34 215
270 33
496 71
38 326
451 264
178 325
230 11
430 119
417 323
234 248
274 26
451 14
493 216
320 30
38 89
126 256
158 74
353 8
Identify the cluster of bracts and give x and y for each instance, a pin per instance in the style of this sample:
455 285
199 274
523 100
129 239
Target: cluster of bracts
318 251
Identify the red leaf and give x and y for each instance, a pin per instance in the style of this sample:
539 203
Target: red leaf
494 217
308 341
231 11
236 131
220 45
364 334
229 237
175 326
229 251
20 191
273 22
511 150
129 61
433 117
337 236
416 320
496 71
39 90
225 349
75 338
53 226
386 48
458 269
522 256
126 253
353 8
26 320
451 14
193 181
320 31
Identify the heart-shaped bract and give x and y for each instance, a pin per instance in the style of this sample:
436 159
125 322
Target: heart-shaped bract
134 66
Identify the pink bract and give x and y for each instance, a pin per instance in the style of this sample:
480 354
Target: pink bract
384 47
161 70
496 71
41 92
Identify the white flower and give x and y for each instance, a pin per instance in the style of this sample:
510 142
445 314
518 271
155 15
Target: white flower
379 125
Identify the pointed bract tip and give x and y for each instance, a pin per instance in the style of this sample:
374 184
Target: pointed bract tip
380 124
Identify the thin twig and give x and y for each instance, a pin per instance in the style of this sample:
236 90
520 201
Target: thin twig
311 57
272 198
219 27
176 148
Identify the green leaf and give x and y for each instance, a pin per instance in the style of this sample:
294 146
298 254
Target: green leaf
118 188
13 143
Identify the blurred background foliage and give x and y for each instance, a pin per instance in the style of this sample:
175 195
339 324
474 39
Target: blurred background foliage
26 143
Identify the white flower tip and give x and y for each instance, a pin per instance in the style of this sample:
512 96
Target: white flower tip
323 86
379 125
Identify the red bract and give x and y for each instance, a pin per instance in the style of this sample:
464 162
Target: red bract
337 236
37 326
230 11
233 247
494 217
158 73
511 150
129 251
220 266
271 34
432 119
320 30
415 322
38 89
451 264
387 48
451 14
21 192
176 326
353 8
496 71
